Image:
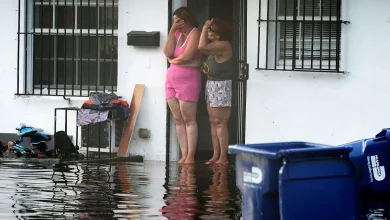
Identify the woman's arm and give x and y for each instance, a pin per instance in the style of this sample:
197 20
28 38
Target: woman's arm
190 51
192 63
215 48
170 44
203 41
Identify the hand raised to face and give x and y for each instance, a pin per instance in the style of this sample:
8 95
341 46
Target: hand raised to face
207 24
177 24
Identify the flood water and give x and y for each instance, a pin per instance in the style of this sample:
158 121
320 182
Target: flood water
124 190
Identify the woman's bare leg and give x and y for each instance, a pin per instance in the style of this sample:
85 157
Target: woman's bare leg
214 137
220 119
180 127
188 112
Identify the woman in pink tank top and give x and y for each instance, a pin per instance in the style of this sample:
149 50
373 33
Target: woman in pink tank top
183 79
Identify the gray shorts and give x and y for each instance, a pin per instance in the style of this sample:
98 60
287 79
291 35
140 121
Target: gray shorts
219 93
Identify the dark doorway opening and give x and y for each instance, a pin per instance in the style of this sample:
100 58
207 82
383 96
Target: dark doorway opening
204 10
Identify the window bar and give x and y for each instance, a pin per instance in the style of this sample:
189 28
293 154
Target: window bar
303 34
241 111
237 112
266 50
18 53
77 129
285 34
312 37
66 127
25 45
104 39
240 122
112 47
338 36
33 40
89 47
81 47
330 34
237 102
99 144
50 39
258 36
244 112
57 45
88 130
66 121
65 54
276 33
240 38
322 29
299 30
55 130
294 34
110 145
244 33
97 46
42 47
74 46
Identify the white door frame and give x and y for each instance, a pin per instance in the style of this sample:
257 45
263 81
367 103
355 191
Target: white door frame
174 148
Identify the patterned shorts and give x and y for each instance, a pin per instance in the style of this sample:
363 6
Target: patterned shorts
219 93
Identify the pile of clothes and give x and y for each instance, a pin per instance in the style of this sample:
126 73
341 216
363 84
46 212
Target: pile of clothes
101 107
38 143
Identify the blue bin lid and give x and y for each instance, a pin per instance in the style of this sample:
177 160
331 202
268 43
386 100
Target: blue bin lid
284 149
383 135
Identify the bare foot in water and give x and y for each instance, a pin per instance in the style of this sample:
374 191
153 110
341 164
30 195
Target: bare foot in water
189 161
182 160
222 162
211 161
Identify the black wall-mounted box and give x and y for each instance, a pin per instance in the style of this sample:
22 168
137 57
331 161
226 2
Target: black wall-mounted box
143 38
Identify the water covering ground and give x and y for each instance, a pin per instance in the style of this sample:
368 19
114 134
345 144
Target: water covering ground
125 190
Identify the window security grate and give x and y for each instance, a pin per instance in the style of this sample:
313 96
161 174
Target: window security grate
299 35
67 47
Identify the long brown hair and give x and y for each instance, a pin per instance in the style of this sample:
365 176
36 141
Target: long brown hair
187 15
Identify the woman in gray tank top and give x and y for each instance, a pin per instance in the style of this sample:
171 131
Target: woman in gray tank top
218 67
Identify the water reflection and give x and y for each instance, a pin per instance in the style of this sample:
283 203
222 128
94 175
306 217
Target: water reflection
182 202
126 191
218 203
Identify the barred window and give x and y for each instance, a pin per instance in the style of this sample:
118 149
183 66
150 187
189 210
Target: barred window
300 35
70 47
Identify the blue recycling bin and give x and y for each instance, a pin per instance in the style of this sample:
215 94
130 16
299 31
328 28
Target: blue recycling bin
371 158
318 184
257 176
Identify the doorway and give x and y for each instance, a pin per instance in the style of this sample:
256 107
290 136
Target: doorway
234 11
204 10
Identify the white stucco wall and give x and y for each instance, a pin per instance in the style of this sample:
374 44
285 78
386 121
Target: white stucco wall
325 108
135 65
144 66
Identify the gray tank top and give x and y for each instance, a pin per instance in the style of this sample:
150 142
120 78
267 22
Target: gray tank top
218 71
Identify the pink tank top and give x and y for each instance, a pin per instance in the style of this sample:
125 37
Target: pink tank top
180 50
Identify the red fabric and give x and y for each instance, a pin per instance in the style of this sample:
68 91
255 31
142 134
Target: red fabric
120 101
116 101
88 102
